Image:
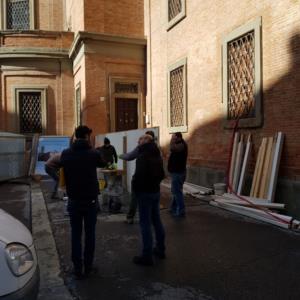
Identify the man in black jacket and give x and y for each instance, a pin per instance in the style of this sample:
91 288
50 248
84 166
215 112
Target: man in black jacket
146 185
108 152
177 170
80 162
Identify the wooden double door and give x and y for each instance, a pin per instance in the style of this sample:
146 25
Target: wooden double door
126 113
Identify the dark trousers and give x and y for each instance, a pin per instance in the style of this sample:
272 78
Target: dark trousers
53 173
132 205
177 204
83 216
150 216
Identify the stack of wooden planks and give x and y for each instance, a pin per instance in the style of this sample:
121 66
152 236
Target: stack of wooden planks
239 162
259 204
266 168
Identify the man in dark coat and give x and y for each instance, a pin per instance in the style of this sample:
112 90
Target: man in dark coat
146 185
108 152
80 162
177 170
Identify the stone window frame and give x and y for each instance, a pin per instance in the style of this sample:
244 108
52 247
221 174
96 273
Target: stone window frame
256 26
3 22
184 128
16 90
78 114
178 18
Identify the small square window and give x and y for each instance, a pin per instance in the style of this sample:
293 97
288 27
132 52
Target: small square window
176 12
177 97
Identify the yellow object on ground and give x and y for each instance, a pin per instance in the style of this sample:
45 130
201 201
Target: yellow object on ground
101 184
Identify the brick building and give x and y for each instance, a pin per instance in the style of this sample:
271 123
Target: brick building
211 61
65 62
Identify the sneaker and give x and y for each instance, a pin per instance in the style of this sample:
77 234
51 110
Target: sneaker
159 254
143 260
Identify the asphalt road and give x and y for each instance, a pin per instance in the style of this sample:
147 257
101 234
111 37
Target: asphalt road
211 254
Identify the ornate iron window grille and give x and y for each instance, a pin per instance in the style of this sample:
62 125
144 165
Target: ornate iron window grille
174 8
177 97
241 77
17 14
30 109
126 88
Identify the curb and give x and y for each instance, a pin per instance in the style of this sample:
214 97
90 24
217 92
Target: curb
51 284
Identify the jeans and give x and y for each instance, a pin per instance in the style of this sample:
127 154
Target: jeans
177 205
148 204
53 173
83 214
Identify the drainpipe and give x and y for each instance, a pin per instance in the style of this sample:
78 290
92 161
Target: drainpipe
150 63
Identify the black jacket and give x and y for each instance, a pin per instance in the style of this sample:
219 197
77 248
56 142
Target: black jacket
80 163
149 171
109 154
178 157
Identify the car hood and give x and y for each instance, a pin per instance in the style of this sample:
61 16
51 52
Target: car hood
12 230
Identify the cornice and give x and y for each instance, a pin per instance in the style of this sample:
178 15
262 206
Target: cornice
83 36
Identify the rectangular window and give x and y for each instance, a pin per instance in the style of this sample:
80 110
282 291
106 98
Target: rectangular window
17 14
241 75
177 97
78 104
176 12
30 110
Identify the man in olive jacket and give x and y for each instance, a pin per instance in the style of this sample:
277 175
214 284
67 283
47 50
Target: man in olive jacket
80 162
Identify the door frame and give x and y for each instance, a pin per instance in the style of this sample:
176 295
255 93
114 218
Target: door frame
113 95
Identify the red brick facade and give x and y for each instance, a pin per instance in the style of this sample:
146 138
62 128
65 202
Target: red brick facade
73 43
198 37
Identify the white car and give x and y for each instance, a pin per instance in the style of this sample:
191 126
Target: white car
19 272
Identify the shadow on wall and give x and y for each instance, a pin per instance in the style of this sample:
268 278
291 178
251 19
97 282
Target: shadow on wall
209 143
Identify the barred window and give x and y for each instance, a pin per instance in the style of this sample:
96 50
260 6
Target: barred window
241 75
17 14
176 12
30 109
78 104
126 87
177 97
174 8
